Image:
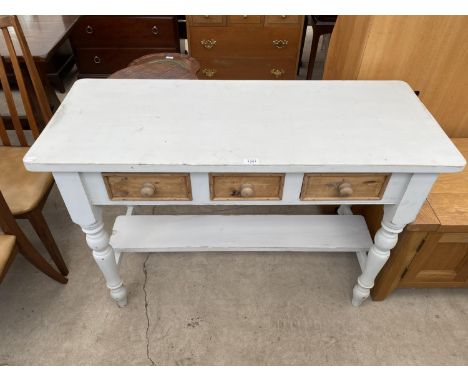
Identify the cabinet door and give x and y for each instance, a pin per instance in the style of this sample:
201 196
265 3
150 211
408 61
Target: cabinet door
442 261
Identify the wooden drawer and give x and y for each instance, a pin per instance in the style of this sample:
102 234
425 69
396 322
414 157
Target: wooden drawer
257 20
343 186
245 69
106 61
246 186
206 20
287 20
125 31
148 186
206 42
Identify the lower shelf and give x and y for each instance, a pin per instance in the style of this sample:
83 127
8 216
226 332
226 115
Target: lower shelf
185 233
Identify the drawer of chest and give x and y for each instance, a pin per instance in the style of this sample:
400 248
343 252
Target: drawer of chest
125 31
246 186
343 186
206 42
161 186
108 60
247 69
213 20
250 19
282 20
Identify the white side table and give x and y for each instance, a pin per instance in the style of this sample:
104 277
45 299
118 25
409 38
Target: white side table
156 142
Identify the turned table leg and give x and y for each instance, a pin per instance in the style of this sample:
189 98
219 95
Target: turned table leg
385 239
396 217
98 240
89 218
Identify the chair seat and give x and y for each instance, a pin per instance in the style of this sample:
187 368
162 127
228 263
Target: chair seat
7 244
23 190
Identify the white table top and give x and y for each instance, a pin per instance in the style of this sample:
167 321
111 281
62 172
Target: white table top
186 125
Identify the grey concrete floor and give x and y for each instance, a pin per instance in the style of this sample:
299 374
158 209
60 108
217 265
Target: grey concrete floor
219 309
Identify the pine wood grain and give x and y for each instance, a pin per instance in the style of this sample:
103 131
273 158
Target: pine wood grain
428 52
325 186
167 186
265 186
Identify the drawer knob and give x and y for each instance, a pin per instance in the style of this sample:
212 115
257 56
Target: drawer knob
209 72
208 43
147 190
155 30
97 59
280 44
246 190
345 189
89 29
283 16
277 72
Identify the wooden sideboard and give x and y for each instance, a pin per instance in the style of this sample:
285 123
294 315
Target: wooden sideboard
246 47
430 53
104 44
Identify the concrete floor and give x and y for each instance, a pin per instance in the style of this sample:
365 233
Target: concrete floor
220 308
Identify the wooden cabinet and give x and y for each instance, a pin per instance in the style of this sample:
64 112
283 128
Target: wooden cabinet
428 52
105 44
433 251
245 47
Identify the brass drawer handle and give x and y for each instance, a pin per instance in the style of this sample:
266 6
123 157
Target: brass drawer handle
147 190
89 29
345 189
209 43
246 190
155 30
209 72
277 72
280 44
97 59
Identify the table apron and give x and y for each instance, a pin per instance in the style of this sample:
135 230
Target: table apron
97 192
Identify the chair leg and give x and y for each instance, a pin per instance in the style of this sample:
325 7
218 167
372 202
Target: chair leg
31 254
313 53
42 229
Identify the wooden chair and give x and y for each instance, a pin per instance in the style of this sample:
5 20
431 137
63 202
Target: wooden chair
13 240
25 192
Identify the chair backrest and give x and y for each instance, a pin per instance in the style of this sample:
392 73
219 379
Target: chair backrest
8 24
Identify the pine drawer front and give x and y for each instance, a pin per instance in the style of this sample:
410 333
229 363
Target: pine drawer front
148 186
247 69
288 20
207 42
207 20
123 31
343 186
246 186
244 20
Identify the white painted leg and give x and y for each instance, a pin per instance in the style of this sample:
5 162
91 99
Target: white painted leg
395 218
89 217
98 240
385 239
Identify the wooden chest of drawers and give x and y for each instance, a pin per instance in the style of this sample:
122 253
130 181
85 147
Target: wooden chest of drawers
105 44
245 47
